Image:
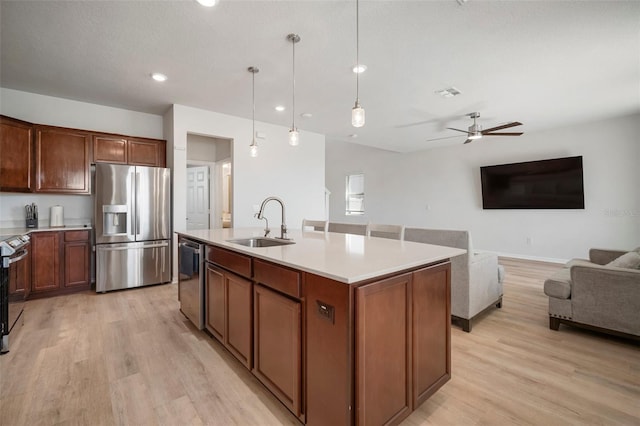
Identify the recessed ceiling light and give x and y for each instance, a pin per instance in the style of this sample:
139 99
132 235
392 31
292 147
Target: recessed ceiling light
280 108
359 69
158 76
306 115
208 3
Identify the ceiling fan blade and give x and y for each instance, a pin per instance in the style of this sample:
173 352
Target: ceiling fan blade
467 141
504 126
458 130
502 134
446 137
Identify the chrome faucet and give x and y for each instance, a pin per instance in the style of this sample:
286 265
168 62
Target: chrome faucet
283 227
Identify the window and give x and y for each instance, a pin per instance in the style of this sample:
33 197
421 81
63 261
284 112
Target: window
355 194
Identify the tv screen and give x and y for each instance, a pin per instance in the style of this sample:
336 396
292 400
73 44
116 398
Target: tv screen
544 184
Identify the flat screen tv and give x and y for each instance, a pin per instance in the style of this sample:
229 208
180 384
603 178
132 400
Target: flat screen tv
544 184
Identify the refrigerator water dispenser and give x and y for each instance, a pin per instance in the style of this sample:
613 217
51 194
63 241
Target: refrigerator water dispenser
114 219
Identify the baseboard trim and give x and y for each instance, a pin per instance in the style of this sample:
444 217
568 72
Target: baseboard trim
526 257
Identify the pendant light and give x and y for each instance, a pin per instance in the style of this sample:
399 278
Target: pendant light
357 113
253 148
294 136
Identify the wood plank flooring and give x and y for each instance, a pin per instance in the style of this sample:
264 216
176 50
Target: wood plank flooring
131 358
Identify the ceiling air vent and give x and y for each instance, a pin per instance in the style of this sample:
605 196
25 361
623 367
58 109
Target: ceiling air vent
449 92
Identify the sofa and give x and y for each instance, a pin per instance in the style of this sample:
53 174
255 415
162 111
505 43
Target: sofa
476 278
601 293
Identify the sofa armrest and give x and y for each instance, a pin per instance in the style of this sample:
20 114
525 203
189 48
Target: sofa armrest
604 256
485 287
606 297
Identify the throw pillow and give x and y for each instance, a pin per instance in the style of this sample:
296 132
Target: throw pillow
629 260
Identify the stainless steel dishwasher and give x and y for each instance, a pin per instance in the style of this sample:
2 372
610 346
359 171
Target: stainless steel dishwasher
191 280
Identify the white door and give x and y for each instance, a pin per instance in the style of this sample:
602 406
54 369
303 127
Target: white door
198 197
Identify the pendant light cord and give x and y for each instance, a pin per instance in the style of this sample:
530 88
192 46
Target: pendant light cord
357 53
293 126
253 99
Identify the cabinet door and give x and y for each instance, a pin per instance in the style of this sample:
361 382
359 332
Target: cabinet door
62 159
147 152
383 351
76 264
20 276
16 159
431 331
109 149
277 345
45 260
215 302
238 338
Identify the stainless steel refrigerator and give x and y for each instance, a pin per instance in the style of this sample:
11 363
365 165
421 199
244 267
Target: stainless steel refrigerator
133 226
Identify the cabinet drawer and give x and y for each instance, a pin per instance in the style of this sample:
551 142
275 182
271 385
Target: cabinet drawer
76 236
277 277
234 262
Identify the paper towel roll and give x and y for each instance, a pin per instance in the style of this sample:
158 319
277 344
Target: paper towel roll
56 218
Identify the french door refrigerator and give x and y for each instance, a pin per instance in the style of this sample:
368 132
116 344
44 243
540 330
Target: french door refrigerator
132 222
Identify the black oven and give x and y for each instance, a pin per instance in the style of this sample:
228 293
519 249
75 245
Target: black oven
14 285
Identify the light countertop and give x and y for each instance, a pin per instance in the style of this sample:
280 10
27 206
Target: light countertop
25 231
342 257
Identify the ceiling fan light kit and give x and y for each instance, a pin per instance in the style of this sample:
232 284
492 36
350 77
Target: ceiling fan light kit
475 130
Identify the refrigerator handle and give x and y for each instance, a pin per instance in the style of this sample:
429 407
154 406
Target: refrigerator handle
136 204
133 209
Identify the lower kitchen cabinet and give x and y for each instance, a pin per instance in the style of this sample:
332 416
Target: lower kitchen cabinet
277 356
61 262
228 311
77 264
45 261
20 277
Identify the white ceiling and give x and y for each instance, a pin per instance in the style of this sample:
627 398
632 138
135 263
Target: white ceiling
544 63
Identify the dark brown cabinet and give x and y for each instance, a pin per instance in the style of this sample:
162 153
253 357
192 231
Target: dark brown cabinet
277 355
60 262
126 150
109 149
20 276
229 301
62 160
77 266
147 152
16 161
45 261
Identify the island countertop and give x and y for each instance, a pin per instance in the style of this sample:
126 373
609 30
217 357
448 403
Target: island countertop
346 258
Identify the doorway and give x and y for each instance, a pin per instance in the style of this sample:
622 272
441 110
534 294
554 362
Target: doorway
208 186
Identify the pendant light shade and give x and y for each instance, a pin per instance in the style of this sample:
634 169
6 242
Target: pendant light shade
294 136
253 148
357 112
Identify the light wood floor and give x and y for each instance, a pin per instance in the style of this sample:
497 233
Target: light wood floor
131 358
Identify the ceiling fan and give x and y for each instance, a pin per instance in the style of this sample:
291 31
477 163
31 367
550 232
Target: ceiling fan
475 130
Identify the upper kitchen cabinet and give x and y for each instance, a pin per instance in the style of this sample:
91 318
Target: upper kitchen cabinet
16 162
62 160
125 150
109 149
147 152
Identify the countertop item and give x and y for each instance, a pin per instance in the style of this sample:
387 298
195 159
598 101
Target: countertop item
342 257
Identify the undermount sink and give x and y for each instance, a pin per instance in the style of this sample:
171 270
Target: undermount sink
261 242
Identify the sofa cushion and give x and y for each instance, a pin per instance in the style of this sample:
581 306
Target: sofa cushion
559 284
629 260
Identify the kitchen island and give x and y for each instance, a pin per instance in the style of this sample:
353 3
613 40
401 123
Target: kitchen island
343 329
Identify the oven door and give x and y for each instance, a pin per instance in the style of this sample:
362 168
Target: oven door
15 285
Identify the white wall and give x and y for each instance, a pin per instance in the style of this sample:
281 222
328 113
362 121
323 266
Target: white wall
42 109
295 174
440 188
